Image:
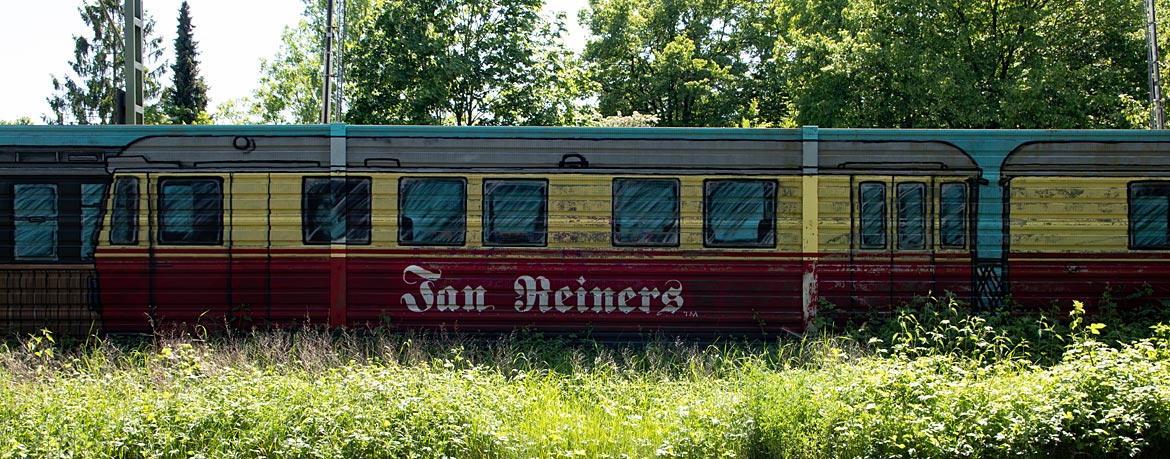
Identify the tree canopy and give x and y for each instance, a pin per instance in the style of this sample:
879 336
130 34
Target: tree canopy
758 63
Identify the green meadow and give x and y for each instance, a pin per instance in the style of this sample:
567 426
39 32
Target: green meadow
927 381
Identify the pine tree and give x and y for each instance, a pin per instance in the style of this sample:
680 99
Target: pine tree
88 94
186 100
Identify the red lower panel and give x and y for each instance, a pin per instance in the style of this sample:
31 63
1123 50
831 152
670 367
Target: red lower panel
868 282
124 286
484 294
577 295
1039 282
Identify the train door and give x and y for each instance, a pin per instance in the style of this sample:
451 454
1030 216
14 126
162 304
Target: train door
912 238
892 256
190 260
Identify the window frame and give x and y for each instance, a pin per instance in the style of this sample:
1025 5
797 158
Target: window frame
883 219
402 215
346 189
963 216
543 217
903 221
772 207
55 247
1162 189
161 220
135 213
677 222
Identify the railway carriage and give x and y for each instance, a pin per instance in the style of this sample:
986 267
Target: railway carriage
698 231
1088 218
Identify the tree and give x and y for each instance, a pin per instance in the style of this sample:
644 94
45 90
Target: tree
462 62
679 60
89 94
22 121
289 91
186 100
968 64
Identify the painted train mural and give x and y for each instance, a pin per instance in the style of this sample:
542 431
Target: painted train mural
120 229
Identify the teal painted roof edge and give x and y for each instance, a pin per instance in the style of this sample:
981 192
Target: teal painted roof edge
120 136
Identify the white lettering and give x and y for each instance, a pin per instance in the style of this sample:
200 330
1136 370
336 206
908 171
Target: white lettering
537 293
672 300
446 299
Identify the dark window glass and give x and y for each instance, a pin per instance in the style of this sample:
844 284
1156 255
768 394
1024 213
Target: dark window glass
35 213
645 212
124 221
740 213
515 212
1149 215
91 210
873 215
911 216
432 211
952 216
190 212
336 210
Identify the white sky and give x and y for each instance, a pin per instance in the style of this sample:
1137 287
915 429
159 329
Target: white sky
232 36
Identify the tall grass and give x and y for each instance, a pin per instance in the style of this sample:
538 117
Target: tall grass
925 390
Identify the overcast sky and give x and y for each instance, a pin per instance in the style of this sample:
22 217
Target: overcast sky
233 35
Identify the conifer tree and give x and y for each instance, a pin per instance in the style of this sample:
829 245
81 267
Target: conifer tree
87 94
186 99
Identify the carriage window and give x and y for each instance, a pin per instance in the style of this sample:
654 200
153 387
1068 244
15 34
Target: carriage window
515 212
190 212
1149 215
952 216
873 215
645 212
911 216
739 213
335 210
91 209
432 211
124 221
35 213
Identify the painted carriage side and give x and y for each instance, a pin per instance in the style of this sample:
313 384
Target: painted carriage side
50 201
895 222
1088 217
737 232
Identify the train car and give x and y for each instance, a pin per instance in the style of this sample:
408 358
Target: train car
610 231
51 193
1089 221
706 231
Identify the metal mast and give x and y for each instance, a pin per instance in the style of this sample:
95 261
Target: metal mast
134 72
1153 67
333 83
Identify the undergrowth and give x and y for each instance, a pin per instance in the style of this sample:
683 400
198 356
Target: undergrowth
931 380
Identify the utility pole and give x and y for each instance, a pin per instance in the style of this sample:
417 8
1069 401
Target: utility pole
325 92
1157 116
134 73
331 91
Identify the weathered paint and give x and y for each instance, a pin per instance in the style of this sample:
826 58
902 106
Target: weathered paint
1062 195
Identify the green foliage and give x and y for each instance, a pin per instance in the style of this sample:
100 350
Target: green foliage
185 101
22 121
307 393
88 95
460 62
924 63
678 60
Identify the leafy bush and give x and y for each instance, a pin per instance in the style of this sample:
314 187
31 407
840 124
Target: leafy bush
933 383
